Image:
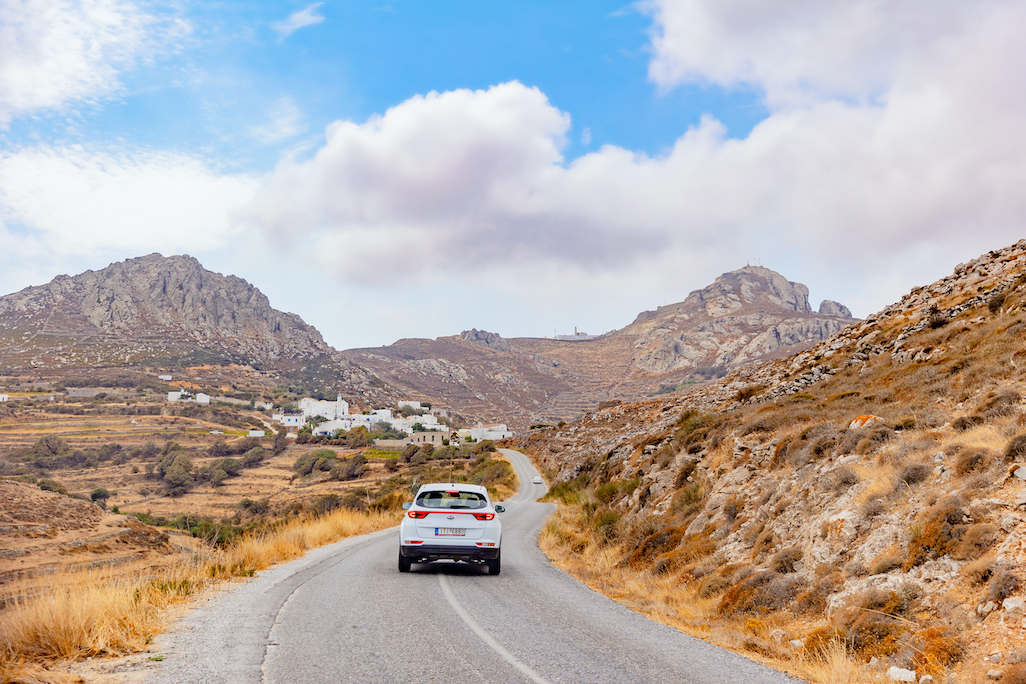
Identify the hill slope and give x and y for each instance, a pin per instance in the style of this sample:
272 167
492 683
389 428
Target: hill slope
745 316
868 492
166 312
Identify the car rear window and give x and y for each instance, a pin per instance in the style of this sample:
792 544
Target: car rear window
451 500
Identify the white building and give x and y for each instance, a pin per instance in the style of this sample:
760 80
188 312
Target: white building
256 433
165 378
415 405
290 421
182 395
4 397
330 427
481 432
332 410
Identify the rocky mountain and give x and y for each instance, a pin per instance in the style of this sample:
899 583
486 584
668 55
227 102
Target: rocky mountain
745 316
863 498
167 312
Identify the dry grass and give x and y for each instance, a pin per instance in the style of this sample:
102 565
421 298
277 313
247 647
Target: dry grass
673 600
102 614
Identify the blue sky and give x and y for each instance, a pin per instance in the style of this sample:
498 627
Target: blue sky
416 169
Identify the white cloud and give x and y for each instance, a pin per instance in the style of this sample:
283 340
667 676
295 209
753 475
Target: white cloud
893 146
307 16
285 120
56 202
58 52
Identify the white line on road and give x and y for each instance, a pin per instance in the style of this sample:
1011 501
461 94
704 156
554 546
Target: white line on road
486 637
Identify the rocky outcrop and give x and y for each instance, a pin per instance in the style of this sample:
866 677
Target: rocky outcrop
828 307
485 339
744 316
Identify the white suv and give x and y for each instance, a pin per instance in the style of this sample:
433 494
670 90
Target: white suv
451 521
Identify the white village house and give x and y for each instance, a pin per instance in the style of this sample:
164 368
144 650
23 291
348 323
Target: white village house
4 397
182 395
337 416
483 431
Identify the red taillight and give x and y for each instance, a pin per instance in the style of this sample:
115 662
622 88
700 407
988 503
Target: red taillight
484 516
418 514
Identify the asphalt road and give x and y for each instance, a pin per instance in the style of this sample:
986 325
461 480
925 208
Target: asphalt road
344 613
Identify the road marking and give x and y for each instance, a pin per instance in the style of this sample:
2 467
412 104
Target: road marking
486 637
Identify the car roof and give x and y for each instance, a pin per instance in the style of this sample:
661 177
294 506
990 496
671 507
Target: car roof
443 486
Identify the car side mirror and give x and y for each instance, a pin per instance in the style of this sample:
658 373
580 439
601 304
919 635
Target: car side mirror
407 505
499 508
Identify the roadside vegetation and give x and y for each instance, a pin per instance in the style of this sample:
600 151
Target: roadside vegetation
868 520
103 613
100 613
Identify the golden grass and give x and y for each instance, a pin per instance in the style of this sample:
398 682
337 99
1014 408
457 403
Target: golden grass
103 614
675 602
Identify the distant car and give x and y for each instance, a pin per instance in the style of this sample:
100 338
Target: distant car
451 522
537 479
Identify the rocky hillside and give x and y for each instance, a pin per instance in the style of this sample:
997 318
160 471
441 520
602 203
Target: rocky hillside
745 316
867 494
166 312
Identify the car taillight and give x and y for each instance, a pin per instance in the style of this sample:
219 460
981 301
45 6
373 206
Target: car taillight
484 516
418 514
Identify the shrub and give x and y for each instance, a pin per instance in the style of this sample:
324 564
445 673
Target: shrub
326 504
996 301
873 635
1016 447
713 585
52 486
820 641
253 457
914 473
814 599
1001 404
979 571
936 318
967 422
885 563
971 461
875 439
349 468
785 560
942 530
940 648
1001 586
873 507
748 392
844 477
607 491
976 541
758 594
657 544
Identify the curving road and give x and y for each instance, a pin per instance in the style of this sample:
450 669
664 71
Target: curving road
343 613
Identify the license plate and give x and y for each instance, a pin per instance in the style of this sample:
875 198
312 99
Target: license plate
450 532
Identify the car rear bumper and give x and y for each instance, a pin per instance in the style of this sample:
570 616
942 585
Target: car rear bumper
429 552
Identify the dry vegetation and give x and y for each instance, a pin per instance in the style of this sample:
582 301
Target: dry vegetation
838 513
105 613
116 506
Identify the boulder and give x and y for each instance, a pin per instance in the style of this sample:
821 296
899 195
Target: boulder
900 674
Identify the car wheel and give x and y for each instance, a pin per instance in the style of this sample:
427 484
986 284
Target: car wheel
404 563
495 566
